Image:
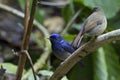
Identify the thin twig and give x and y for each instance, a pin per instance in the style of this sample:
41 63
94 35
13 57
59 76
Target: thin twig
71 22
31 63
40 62
84 51
56 4
29 58
26 38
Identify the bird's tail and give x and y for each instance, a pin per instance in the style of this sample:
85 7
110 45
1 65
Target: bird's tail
76 42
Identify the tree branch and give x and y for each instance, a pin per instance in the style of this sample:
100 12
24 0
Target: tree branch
22 57
26 38
56 4
83 51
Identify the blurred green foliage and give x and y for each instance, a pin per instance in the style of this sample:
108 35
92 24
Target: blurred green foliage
103 63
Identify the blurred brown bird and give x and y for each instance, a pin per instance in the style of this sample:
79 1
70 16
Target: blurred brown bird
94 25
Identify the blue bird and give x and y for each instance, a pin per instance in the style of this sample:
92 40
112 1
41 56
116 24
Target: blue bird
61 48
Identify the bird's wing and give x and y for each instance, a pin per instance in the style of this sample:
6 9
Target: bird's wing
67 47
96 19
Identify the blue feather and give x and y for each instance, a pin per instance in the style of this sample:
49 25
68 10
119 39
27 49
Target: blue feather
61 48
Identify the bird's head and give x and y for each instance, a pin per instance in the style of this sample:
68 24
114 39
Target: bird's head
55 38
96 9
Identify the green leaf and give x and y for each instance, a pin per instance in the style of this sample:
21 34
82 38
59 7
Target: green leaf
78 1
77 26
10 68
110 7
114 22
39 15
106 64
68 11
45 72
22 3
100 67
68 37
112 60
31 77
49 73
